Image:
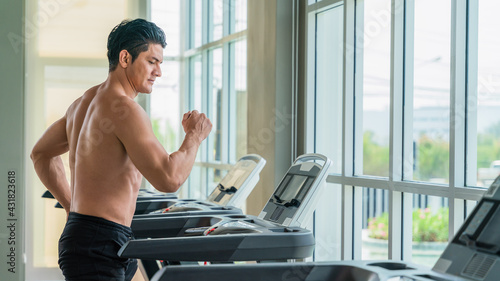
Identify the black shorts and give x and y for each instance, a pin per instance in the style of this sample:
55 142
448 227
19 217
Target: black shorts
88 249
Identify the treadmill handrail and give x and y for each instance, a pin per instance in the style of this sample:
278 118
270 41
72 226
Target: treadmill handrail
254 157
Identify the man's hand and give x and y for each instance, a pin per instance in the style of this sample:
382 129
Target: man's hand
197 124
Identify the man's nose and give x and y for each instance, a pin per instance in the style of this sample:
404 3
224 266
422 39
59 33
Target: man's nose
157 71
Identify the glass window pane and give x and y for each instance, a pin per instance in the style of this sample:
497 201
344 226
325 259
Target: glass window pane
196 20
375 224
240 92
376 87
196 84
240 16
216 110
488 94
197 183
165 108
429 228
166 14
328 216
329 66
217 19
327 77
431 103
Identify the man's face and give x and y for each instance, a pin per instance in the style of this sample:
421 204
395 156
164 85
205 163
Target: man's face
145 69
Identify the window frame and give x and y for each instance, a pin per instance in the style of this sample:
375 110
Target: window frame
228 131
461 190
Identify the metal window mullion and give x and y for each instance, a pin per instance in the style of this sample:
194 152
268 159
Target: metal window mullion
188 104
207 93
189 22
358 87
425 188
351 236
397 213
206 21
217 43
228 22
228 115
408 10
206 89
357 128
184 65
457 112
232 103
472 94
323 5
310 84
296 46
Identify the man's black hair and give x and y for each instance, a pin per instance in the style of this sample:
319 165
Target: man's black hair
133 36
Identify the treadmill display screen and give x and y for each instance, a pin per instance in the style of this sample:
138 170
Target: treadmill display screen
233 178
238 174
490 235
294 186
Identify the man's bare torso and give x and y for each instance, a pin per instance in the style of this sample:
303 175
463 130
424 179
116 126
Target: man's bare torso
104 181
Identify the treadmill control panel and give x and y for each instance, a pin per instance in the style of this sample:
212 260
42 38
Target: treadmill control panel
244 172
474 252
289 199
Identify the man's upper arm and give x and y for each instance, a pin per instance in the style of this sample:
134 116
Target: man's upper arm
148 155
54 141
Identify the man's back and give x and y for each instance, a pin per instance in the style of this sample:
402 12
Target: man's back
104 181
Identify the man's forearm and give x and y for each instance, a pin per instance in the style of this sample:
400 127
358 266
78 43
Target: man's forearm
52 174
185 156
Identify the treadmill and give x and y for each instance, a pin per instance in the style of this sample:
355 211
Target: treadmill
143 194
242 177
473 254
226 197
276 234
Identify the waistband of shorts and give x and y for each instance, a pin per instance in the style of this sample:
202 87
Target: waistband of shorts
74 216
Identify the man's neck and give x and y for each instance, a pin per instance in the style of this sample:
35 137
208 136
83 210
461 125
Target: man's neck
118 80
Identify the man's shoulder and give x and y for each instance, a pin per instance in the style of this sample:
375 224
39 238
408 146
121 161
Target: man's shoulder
84 100
121 106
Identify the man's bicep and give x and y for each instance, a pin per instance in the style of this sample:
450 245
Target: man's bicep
54 140
137 136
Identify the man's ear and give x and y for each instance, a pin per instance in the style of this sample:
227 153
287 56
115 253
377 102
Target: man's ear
124 58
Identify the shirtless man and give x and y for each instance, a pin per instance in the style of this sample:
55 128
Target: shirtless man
111 145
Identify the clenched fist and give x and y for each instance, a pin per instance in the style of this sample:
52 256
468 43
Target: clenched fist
196 123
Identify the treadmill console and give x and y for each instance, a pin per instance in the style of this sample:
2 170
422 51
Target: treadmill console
474 253
293 200
230 193
245 173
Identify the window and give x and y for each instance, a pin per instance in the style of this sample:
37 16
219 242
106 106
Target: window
326 107
165 102
410 118
215 84
431 91
376 87
484 101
